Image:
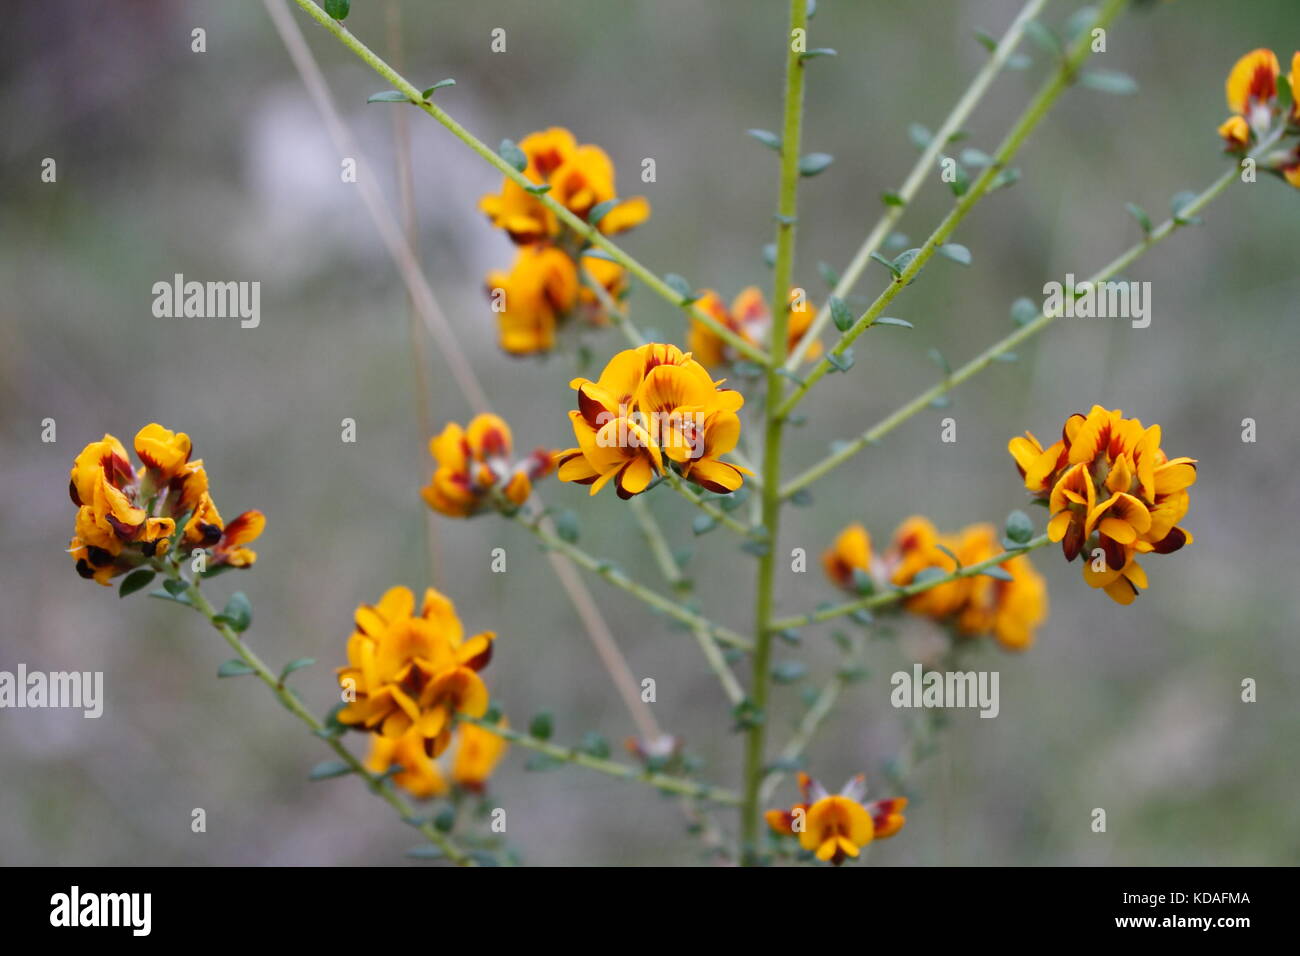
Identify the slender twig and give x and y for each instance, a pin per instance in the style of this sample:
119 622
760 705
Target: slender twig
579 227
674 481
787 199
617 314
911 590
660 781
1062 77
378 783
614 576
672 573
924 165
813 719
847 450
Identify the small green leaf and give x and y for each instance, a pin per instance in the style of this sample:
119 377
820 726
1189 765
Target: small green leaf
175 587
890 320
841 315
841 361
167 596
566 526
601 210
1140 214
1019 528
956 252
986 40
919 135
820 51
1005 179
863 582
1179 204
929 576
237 613
679 285
388 96
440 85
296 665
329 768
1109 81
513 155
814 163
1044 37
137 579
596 745
234 668
975 158
892 199
542 725
828 274
787 672
539 763
338 9
766 137
538 189
997 573
938 359
888 264
955 560
593 252
703 524
769 254
1024 311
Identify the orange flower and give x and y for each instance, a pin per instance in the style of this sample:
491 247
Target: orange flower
476 470
1111 491
836 827
750 318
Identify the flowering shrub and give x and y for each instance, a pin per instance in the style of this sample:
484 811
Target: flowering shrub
704 420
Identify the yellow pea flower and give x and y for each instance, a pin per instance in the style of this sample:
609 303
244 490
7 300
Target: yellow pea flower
653 407
1111 492
127 517
580 178
478 751
407 670
749 317
420 775
1251 88
836 827
540 289
476 469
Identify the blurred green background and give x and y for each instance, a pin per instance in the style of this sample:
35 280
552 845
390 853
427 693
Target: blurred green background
216 165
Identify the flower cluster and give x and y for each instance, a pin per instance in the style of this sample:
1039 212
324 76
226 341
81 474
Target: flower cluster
1257 113
546 285
751 319
834 827
408 675
653 408
475 469
1009 606
127 517
1112 492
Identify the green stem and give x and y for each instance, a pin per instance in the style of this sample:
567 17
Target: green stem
674 481
621 581
911 590
289 699
787 198
847 450
579 227
1062 78
660 781
924 164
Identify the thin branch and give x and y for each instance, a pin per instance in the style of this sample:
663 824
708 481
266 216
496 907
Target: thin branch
924 165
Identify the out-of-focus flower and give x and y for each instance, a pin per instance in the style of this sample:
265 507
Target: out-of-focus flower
653 407
476 470
1251 88
541 287
579 177
407 670
1112 493
751 319
1252 94
478 751
126 518
1009 608
836 827
420 775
